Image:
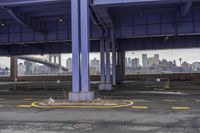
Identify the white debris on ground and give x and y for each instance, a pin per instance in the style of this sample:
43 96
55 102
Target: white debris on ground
51 101
96 102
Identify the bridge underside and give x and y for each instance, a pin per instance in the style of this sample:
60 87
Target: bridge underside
83 26
126 44
31 29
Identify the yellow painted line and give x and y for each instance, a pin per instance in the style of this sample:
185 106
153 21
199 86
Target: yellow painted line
181 108
169 100
1 106
27 99
24 106
139 107
35 104
2 98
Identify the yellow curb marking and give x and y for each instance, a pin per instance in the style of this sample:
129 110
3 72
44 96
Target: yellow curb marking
34 104
169 100
27 99
181 108
139 107
24 106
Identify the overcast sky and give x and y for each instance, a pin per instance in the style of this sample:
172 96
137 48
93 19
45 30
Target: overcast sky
189 55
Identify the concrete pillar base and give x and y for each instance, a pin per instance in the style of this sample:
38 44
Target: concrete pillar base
106 86
81 96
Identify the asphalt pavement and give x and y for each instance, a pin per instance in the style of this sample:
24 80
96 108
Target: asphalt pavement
170 111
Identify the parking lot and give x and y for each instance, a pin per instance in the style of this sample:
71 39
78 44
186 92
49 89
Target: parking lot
171 111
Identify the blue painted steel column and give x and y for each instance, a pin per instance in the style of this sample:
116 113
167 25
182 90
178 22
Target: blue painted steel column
84 11
107 61
102 56
75 46
113 57
80 39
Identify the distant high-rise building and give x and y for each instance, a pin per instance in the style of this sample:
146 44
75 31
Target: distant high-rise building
144 60
135 63
129 62
29 67
95 64
156 58
151 61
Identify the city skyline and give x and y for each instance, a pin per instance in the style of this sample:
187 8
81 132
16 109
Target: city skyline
188 55
154 65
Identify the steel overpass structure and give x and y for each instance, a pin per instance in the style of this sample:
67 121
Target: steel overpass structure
44 62
83 26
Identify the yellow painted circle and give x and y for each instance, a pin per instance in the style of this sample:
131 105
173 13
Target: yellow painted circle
35 104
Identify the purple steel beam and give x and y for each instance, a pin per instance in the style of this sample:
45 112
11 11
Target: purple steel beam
186 8
85 45
46 13
41 10
107 61
45 7
26 2
113 56
58 12
136 2
103 13
75 46
15 17
124 44
102 56
23 19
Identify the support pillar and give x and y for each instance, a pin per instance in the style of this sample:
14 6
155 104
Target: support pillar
105 73
74 95
80 41
86 94
113 58
13 66
102 57
123 65
120 67
102 54
108 85
107 62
